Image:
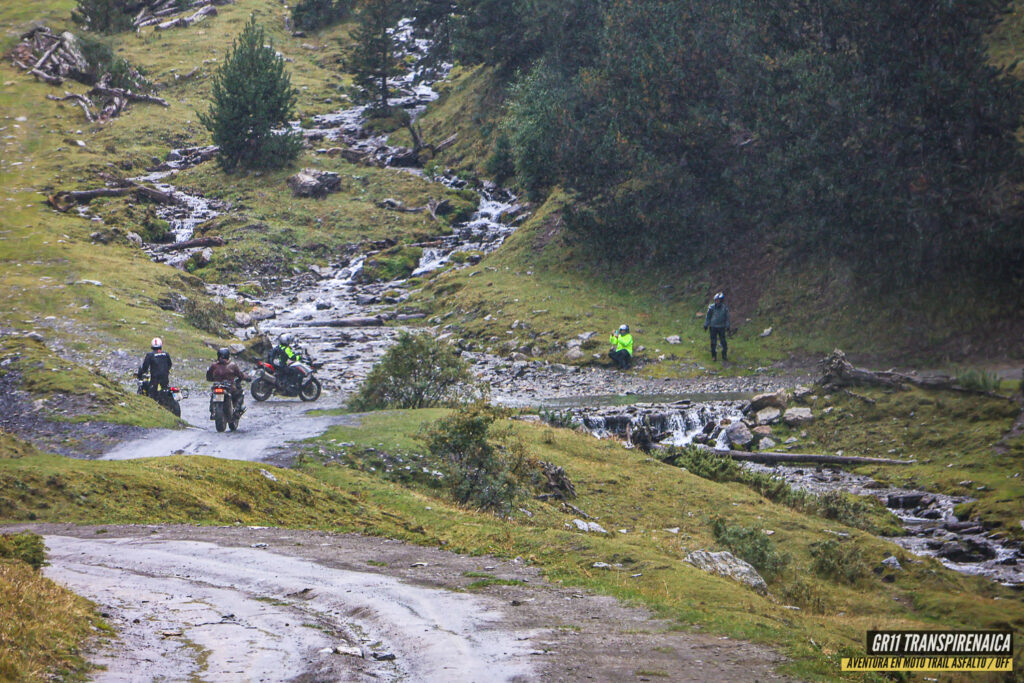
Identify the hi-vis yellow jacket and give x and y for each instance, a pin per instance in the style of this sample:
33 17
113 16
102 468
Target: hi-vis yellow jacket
623 341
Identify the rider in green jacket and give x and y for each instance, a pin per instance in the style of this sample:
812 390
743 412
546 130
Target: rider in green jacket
622 353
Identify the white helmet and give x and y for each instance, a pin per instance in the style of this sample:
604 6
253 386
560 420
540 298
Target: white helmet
623 328
157 343
287 338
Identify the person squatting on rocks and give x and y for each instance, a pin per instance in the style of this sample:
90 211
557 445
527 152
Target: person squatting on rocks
622 340
158 364
717 320
224 370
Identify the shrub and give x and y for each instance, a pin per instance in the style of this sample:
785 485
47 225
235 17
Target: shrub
417 372
102 16
252 96
26 547
840 561
102 61
977 380
751 545
557 418
310 15
484 467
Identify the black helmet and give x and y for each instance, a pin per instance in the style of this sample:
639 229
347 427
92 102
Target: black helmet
223 354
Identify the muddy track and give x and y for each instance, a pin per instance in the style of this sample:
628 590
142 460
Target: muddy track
233 604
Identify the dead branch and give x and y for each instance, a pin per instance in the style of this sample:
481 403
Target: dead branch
82 101
52 80
101 89
396 205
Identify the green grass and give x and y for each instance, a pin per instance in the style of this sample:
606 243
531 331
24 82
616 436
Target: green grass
627 490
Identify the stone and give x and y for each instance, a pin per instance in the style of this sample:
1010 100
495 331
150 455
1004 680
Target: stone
134 239
966 550
574 354
674 339
243 319
780 399
761 432
768 416
586 336
518 368
904 501
588 527
311 182
738 434
322 305
34 336
795 417
73 57
727 565
236 349
202 257
765 444
802 393
262 313
767 332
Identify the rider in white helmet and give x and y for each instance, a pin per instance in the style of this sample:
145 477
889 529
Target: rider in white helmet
622 341
158 364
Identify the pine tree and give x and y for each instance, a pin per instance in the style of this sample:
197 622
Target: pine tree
101 16
373 57
252 95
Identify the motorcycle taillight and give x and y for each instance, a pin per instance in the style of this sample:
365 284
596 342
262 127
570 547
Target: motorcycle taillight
218 390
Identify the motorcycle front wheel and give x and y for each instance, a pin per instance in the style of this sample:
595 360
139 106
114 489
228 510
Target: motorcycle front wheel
174 407
261 390
311 391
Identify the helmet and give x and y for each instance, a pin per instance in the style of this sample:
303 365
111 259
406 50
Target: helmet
719 296
623 328
157 343
287 338
223 354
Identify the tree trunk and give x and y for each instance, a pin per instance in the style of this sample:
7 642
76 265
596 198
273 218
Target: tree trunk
780 458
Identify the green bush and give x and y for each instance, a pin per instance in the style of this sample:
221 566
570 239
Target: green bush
977 379
102 60
417 372
752 545
484 467
310 15
102 16
26 547
840 561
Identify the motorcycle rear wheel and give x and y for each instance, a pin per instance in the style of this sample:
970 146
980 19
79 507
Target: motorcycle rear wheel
311 391
219 418
261 390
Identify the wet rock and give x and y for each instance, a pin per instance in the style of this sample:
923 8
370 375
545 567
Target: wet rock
262 313
779 399
728 565
738 434
311 182
243 319
518 368
322 305
768 416
966 550
904 501
892 563
796 417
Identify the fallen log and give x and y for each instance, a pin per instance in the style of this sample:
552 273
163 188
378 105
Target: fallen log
128 95
395 205
839 373
410 316
206 11
345 322
769 458
82 101
153 193
52 80
191 244
62 201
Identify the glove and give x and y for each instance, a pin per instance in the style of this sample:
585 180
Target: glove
705 328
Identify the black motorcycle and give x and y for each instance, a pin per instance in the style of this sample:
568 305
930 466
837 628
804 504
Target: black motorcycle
167 397
295 380
223 411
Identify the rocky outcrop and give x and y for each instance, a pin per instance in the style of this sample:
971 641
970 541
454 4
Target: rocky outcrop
779 399
728 565
311 182
796 417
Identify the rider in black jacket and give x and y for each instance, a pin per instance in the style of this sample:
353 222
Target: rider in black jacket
158 364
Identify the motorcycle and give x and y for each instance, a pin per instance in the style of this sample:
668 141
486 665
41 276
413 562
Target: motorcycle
168 398
223 411
295 380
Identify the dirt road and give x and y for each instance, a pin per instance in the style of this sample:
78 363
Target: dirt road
241 604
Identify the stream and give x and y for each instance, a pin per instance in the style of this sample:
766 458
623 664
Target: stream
590 396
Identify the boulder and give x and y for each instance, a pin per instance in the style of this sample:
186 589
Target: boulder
674 339
738 434
202 257
73 61
262 313
904 501
767 332
796 417
768 416
134 239
761 432
574 354
243 319
765 444
323 305
727 565
802 393
780 399
966 550
892 563
311 182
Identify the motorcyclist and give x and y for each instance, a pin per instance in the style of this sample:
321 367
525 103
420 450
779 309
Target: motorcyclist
224 370
158 364
283 356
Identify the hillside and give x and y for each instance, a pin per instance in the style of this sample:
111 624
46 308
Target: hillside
515 222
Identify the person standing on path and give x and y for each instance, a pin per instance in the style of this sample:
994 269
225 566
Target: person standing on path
622 353
717 320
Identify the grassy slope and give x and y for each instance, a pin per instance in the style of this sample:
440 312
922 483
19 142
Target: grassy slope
812 307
